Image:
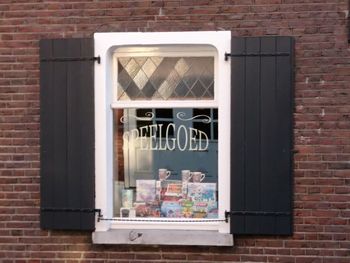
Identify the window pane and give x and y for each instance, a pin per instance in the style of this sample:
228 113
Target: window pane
215 126
164 129
201 113
215 114
205 127
165 78
165 163
164 113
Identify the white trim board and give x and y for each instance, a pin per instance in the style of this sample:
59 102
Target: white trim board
105 45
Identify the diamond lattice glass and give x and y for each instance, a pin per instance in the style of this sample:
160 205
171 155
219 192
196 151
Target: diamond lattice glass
165 78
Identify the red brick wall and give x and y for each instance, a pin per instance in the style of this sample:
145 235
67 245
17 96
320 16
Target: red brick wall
322 122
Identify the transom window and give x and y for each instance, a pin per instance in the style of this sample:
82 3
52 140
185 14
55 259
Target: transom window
164 78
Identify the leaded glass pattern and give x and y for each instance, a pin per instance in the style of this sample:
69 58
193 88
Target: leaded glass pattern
164 78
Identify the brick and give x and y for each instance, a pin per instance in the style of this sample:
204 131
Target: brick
309 259
69 255
282 259
98 255
172 256
336 259
269 243
114 255
253 258
227 257
43 255
148 256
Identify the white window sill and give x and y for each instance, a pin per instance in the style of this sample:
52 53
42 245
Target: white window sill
162 237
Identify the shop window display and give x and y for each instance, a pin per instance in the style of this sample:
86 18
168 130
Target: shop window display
166 163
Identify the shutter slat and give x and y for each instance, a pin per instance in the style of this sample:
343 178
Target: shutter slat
268 154
252 131
60 132
67 155
262 133
284 79
237 128
74 144
46 133
88 138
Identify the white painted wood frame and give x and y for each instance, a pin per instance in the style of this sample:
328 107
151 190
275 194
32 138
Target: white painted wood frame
105 46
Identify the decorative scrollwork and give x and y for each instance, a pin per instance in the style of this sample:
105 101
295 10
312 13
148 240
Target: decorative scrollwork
148 117
182 116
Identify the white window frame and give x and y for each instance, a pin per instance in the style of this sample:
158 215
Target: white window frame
105 45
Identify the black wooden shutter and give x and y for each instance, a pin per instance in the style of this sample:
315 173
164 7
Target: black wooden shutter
67 134
261 153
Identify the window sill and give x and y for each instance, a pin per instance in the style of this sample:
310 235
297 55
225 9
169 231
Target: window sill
162 237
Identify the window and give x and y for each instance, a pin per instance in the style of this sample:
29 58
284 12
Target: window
100 141
162 130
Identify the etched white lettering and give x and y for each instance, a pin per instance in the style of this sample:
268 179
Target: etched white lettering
185 138
170 148
161 147
153 137
193 133
143 138
201 148
181 137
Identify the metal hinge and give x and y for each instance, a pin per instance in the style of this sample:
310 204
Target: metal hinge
254 213
278 54
81 210
98 59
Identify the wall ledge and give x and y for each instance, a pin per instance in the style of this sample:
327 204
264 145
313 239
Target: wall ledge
162 237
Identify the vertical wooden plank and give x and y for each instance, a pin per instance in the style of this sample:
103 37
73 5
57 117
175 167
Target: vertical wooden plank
269 156
74 143
46 133
238 75
87 133
60 132
252 133
284 140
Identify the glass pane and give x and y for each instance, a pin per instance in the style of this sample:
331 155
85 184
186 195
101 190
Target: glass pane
165 163
205 127
165 78
201 113
164 113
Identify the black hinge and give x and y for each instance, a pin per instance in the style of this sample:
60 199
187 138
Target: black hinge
98 59
278 54
254 213
81 210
